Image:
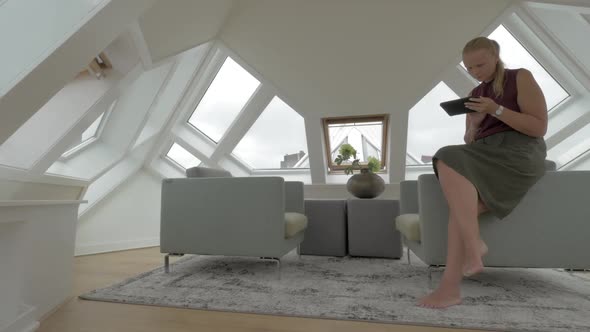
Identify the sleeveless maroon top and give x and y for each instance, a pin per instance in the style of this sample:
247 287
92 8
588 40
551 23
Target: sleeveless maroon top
491 125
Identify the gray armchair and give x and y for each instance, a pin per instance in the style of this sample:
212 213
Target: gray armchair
548 229
216 214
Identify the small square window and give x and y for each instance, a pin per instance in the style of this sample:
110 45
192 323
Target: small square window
366 134
182 157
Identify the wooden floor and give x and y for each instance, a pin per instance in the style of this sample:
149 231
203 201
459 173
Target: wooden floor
105 269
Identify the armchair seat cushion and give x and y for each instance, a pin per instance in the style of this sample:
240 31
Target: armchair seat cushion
294 223
409 226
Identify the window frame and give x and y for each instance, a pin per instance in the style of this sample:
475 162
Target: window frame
173 162
383 118
69 154
212 68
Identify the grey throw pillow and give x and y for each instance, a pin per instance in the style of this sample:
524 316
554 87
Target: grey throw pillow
550 165
206 172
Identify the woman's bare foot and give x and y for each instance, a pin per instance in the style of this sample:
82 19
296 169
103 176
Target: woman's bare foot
441 298
475 266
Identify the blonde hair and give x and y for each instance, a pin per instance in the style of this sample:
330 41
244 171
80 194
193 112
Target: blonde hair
491 45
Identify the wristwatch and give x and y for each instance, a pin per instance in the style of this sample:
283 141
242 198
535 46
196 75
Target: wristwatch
499 111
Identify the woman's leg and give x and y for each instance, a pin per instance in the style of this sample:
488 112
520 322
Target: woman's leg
464 243
483 249
448 292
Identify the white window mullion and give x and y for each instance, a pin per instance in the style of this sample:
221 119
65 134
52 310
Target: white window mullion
240 126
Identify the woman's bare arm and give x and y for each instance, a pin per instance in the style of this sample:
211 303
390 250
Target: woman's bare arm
532 118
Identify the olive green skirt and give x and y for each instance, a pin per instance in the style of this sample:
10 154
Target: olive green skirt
502 167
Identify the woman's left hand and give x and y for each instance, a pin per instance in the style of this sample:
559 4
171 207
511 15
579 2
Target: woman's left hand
482 105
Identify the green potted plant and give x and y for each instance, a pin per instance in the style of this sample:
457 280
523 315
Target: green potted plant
365 184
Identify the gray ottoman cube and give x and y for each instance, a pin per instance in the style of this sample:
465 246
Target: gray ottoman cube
371 228
325 234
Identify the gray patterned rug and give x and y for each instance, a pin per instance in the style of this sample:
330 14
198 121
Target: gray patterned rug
378 290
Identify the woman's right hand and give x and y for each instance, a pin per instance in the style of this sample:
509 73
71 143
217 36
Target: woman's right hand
474 119
473 122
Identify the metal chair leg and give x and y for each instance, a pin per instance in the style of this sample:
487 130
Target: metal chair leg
430 270
408 251
167 263
278 260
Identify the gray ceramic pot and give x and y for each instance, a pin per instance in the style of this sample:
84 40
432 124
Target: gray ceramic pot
365 184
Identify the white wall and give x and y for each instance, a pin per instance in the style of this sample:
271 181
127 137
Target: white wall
345 57
188 24
128 218
32 28
59 66
349 57
48 254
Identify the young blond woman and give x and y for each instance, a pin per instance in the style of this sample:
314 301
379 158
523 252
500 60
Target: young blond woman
503 157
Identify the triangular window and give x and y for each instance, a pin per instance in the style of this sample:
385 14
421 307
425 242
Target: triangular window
89 135
226 96
277 139
430 127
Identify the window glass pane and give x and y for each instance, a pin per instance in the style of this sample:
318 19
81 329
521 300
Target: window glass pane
276 140
515 56
430 127
182 157
365 138
223 101
91 131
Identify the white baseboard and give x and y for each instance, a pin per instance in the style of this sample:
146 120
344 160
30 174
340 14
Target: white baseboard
25 322
97 248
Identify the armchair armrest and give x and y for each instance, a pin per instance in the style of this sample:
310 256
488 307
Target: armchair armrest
294 197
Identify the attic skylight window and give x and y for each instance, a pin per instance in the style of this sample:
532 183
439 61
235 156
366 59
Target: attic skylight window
515 56
89 135
366 134
180 156
226 96
430 128
276 140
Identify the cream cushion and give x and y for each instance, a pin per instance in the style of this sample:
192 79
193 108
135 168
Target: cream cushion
409 226
294 223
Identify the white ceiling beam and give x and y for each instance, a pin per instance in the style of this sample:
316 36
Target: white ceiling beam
459 80
141 45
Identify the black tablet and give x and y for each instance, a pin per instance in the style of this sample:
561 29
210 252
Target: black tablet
456 107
